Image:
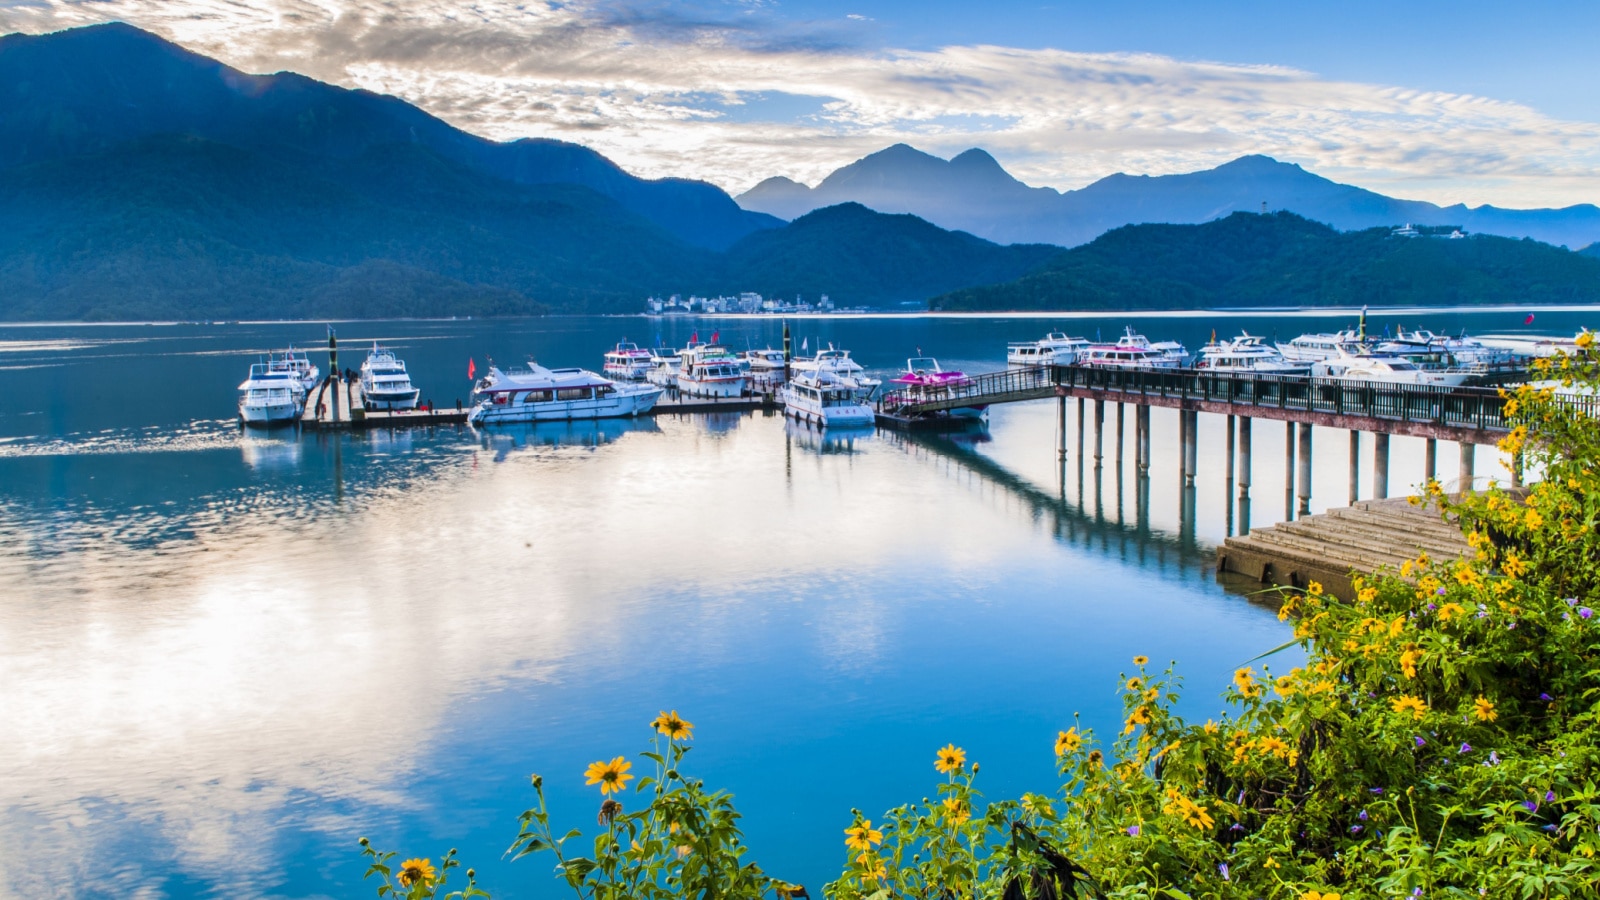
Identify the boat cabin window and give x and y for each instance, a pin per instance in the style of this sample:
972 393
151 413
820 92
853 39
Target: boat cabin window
573 393
604 389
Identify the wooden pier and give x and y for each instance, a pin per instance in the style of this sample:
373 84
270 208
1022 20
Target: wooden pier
1329 548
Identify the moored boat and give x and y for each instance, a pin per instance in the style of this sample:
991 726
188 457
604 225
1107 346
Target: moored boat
1387 369
924 381
271 395
826 399
1054 349
385 384
766 362
300 368
664 367
627 362
711 371
1134 351
1246 354
839 363
538 394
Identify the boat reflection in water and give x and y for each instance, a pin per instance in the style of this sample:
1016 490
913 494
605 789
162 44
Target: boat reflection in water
836 439
504 439
270 451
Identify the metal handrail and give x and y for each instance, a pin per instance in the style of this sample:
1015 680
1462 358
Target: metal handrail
1478 408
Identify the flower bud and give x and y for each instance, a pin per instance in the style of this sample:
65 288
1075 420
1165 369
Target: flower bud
471 874
363 842
538 781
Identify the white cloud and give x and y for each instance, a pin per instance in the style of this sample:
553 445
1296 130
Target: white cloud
659 90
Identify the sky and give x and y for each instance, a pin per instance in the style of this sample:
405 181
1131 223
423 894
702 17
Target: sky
1462 101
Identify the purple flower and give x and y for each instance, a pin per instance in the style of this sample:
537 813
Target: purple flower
1133 831
1236 827
1572 601
1530 806
1548 827
1546 698
1431 607
1511 625
1416 892
1223 868
1241 797
1549 796
1466 748
1440 592
1362 815
1375 790
1585 612
1355 829
1419 740
1494 759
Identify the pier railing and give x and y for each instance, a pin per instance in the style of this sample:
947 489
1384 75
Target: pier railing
1471 408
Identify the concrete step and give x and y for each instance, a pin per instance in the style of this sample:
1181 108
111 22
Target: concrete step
1422 524
1366 539
1347 556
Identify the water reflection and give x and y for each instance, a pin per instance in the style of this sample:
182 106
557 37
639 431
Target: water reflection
589 433
834 440
270 451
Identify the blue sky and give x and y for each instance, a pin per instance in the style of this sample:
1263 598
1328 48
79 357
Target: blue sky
1465 101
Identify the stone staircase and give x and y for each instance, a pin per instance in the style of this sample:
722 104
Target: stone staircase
1331 547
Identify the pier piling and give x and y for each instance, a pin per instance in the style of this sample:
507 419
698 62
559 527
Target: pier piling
1305 469
1244 459
1469 459
1061 428
1355 466
1143 418
1228 469
1430 460
1099 431
1121 409
1380 466
1189 422
1288 470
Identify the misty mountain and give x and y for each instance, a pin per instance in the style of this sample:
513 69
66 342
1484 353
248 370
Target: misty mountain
973 193
87 90
1285 260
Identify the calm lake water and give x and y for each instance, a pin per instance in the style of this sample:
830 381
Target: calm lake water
225 656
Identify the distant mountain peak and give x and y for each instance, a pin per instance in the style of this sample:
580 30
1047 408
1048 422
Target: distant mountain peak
976 156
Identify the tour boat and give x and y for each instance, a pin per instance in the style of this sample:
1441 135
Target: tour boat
538 394
1311 348
766 362
824 398
839 363
270 396
385 383
1441 351
300 368
1390 369
711 371
923 380
627 362
1055 349
1134 351
664 366
1247 354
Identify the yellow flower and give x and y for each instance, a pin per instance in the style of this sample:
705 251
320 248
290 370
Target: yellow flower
1151 695
1534 520
1284 685
1408 661
414 871
1367 595
1397 626
1141 716
862 836
1273 746
1585 340
950 758
874 867
1484 710
1141 660
1210 727
673 727
1450 611
1314 588
1068 742
1408 702
611 776
1191 812
1245 680
1135 684
1319 895
956 810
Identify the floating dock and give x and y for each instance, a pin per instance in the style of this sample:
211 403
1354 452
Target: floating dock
1329 548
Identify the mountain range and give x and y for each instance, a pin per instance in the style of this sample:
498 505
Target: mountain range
973 193
139 180
1284 260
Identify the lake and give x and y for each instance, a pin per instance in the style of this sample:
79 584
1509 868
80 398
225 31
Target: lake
225 656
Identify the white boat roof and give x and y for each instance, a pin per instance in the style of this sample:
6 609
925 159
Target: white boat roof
536 377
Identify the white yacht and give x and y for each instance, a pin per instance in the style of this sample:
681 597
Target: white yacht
766 362
839 363
1390 369
1311 348
711 371
385 383
1441 351
824 398
664 366
627 362
1135 351
299 366
538 394
1055 349
1247 354
270 396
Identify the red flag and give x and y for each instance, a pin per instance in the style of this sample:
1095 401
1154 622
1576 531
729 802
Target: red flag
1528 320
714 336
472 368
695 337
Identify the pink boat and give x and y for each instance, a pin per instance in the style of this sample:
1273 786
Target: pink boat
923 380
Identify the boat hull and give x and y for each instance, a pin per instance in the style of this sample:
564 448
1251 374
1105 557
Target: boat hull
612 406
389 400
713 387
269 414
